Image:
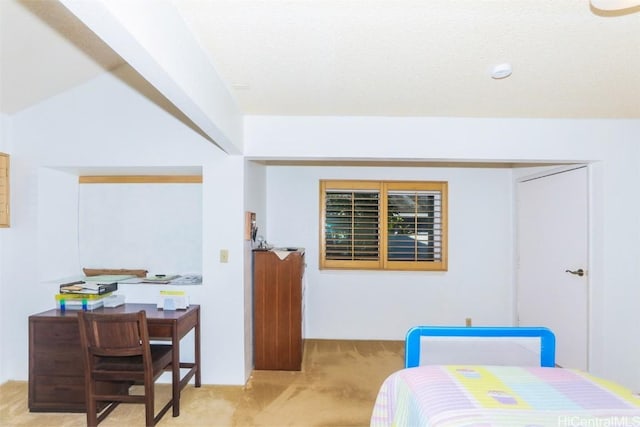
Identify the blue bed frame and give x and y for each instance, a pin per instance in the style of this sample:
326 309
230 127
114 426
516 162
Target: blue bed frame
547 339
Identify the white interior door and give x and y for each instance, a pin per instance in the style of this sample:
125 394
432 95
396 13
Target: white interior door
552 232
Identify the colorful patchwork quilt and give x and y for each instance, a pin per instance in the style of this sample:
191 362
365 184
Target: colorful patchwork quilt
506 396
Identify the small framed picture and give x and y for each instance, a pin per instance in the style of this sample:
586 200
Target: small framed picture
250 227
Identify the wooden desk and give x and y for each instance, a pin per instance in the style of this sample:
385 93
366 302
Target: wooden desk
56 375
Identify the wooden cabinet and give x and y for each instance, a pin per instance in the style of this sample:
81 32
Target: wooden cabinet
56 374
55 365
277 310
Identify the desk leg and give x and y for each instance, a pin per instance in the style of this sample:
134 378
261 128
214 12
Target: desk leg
197 350
175 372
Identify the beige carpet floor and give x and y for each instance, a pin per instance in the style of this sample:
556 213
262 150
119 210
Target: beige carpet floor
337 386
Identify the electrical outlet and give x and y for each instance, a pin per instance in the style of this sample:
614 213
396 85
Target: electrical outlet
224 255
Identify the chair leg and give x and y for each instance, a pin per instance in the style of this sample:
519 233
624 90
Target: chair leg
149 404
92 415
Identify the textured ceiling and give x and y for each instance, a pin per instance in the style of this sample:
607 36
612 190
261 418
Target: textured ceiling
368 57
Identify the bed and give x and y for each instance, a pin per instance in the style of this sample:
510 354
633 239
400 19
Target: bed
497 393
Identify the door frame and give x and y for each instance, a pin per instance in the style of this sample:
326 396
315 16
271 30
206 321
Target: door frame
590 238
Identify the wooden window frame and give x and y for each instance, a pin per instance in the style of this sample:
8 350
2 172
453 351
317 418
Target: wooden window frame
384 188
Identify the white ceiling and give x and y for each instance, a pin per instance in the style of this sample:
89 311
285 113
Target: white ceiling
45 50
363 57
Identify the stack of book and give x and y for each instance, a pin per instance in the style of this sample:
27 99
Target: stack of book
84 295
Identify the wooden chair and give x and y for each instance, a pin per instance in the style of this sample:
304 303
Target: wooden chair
117 353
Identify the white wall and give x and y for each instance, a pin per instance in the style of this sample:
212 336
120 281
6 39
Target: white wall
4 132
610 146
5 234
106 124
255 200
155 226
384 305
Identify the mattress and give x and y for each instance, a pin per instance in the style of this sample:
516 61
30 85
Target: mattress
509 396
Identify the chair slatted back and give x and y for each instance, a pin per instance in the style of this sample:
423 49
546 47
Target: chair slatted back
117 334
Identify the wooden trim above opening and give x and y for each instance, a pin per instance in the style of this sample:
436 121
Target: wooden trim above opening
140 179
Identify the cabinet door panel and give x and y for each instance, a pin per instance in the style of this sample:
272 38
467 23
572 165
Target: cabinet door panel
50 388
59 363
278 310
57 335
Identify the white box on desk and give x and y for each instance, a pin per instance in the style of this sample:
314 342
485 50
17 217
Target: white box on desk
113 301
173 300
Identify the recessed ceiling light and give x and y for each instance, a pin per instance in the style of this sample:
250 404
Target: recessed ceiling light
501 71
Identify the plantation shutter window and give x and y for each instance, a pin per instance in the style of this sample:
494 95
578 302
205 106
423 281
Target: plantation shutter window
383 225
351 226
414 226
